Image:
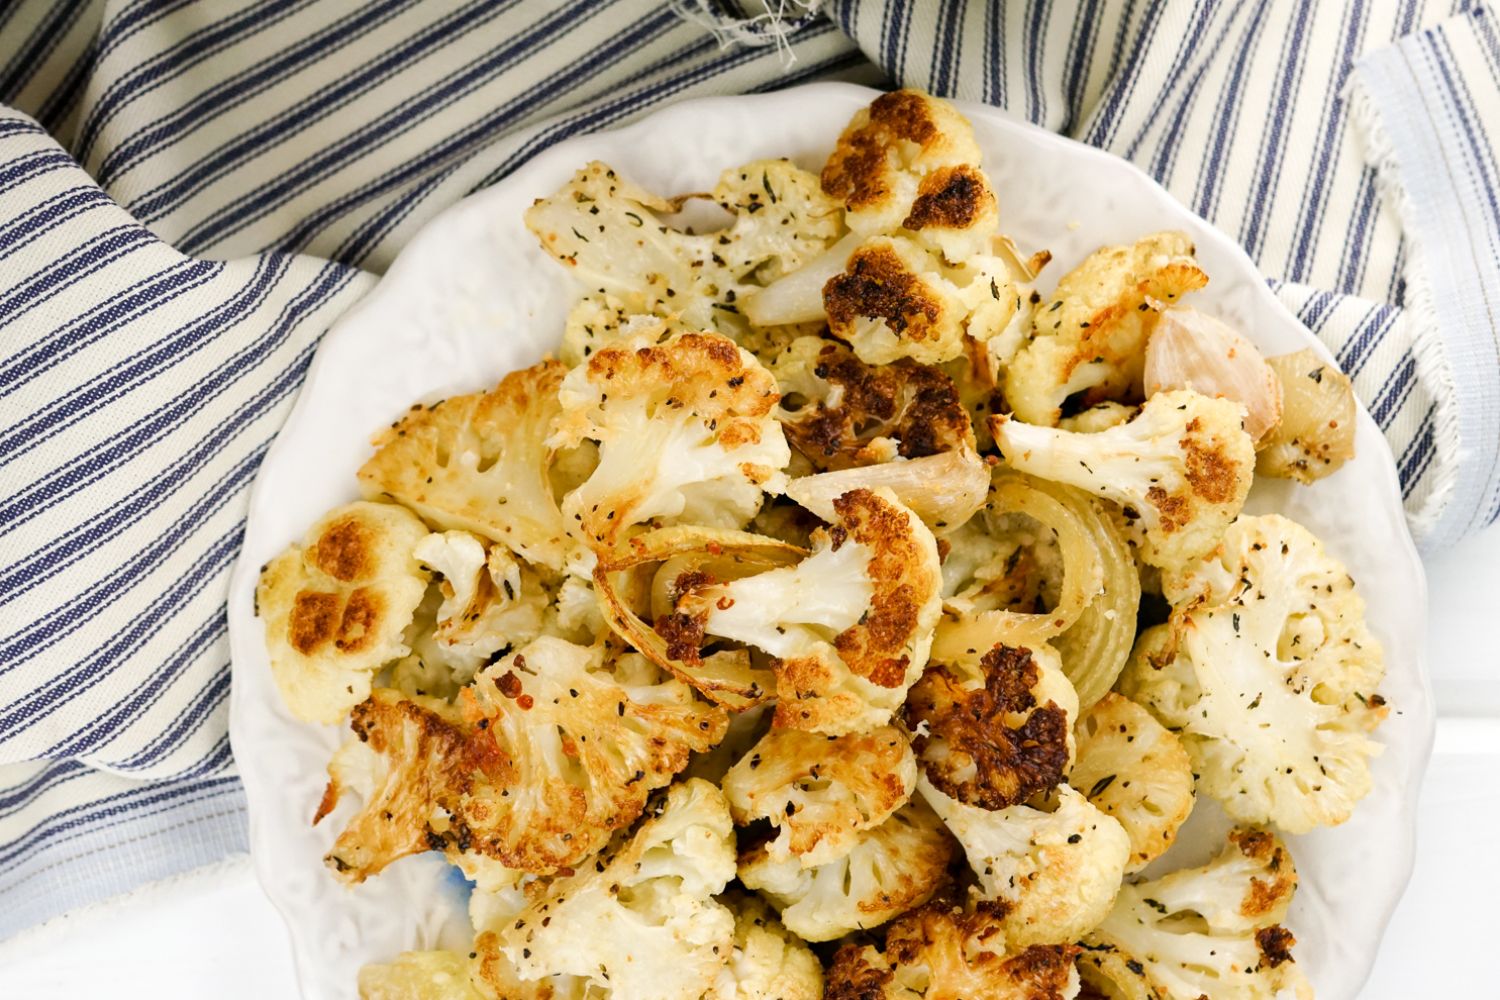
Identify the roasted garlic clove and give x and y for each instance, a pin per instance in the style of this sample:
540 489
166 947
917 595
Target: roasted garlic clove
1192 350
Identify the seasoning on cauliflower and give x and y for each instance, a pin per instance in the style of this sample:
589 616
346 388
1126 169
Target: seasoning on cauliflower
336 607
411 764
894 867
1316 434
1212 931
902 426
820 793
849 626
609 232
1091 337
1137 771
998 734
582 741
685 429
941 952
1055 872
909 162
898 299
767 963
1268 673
480 463
639 920
418 975
1184 465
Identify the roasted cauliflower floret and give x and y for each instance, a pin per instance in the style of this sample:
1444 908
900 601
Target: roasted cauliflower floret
1055 872
909 162
849 626
418 975
1316 434
898 299
768 963
1203 932
480 463
894 867
1184 465
410 766
996 735
337 606
1137 771
1268 673
609 232
941 952
819 792
490 600
685 429
640 920
1090 338
582 742
901 426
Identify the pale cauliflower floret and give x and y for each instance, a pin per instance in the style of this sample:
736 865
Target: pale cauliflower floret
1137 771
897 299
609 233
640 920
820 793
574 612
582 741
685 430
490 600
598 320
942 952
1203 932
909 162
768 963
998 733
1056 872
1268 677
1091 336
1184 464
849 626
481 463
894 867
418 975
336 607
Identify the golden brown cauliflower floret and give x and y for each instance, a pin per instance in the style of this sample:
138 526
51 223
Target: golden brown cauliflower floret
548 752
1090 338
994 736
1136 770
411 765
640 920
1183 465
898 299
941 952
821 793
480 463
685 429
336 607
909 161
1316 434
849 626
1212 931
901 426
418 975
894 867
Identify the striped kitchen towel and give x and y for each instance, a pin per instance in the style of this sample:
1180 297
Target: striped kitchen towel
190 191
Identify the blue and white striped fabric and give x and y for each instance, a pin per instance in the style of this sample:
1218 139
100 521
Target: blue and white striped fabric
190 191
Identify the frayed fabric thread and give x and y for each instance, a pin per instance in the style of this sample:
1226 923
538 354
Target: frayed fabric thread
774 25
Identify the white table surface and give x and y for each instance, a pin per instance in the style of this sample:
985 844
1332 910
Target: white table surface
219 937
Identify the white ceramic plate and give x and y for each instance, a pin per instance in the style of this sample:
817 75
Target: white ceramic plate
472 298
